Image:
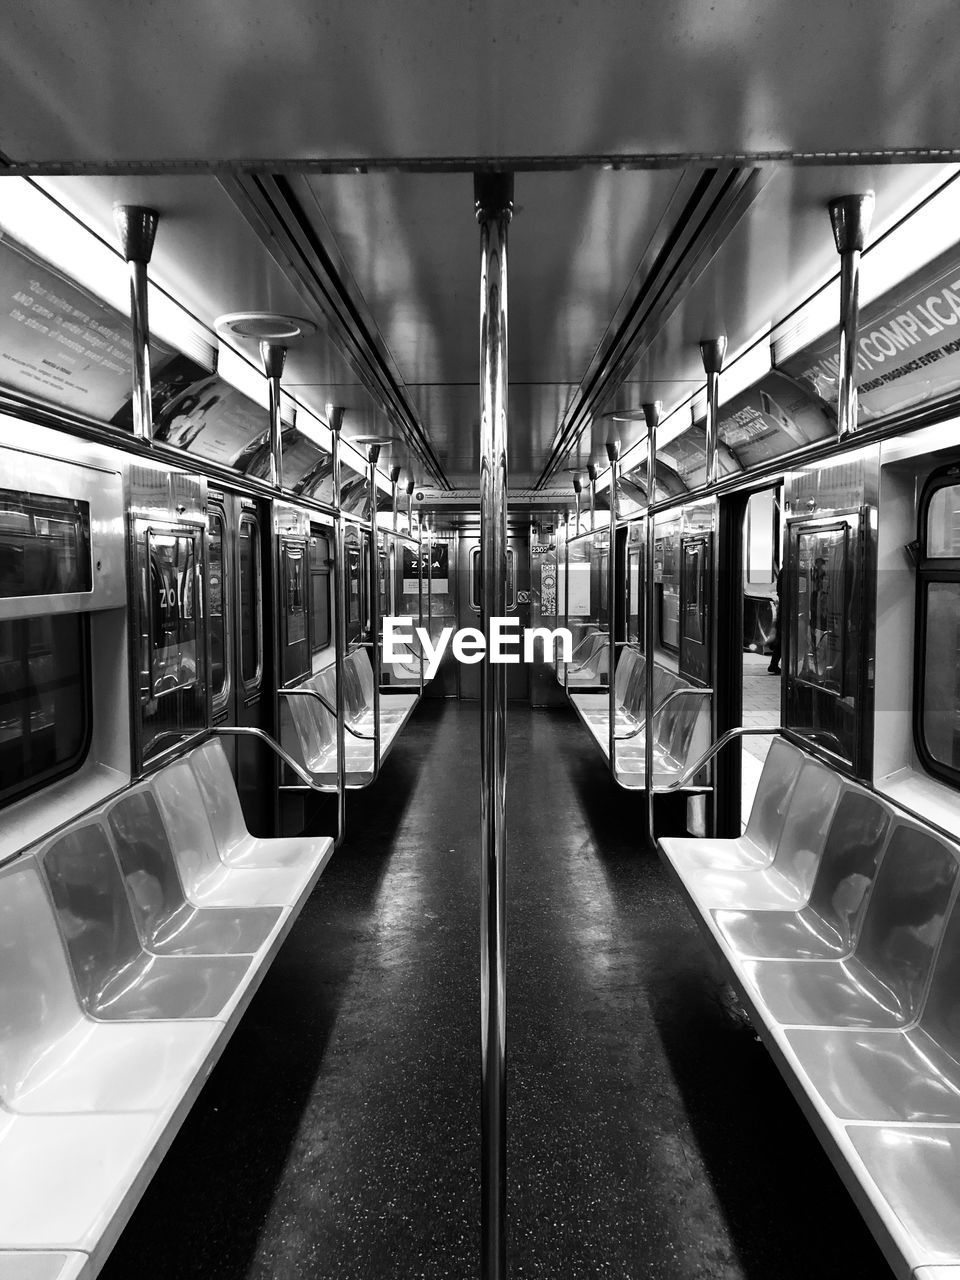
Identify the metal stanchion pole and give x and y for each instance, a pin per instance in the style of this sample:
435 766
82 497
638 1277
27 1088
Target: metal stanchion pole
850 217
340 631
137 229
494 207
651 413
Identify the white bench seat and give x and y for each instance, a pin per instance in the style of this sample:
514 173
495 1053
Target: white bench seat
115 1007
36 1264
856 993
316 725
681 725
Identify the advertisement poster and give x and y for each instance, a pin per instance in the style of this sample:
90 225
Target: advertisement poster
908 351
60 344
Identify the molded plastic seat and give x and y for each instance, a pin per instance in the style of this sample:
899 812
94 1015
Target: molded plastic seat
235 845
52 1057
35 1264
881 984
590 660
786 883
69 1175
911 1075
916 1171
827 926
167 922
758 844
208 881
316 725
115 976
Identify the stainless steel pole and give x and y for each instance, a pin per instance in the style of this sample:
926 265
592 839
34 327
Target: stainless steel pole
577 489
273 355
494 207
373 453
613 453
850 217
137 229
592 473
651 413
712 351
394 479
340 629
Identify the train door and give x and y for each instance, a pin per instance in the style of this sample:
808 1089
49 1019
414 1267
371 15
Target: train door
239 589
696 595
518 606
759 632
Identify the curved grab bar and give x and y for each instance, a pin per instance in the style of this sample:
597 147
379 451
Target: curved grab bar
677 693
742 731
312 693
252 732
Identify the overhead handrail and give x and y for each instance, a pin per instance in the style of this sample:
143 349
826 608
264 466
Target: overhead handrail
742 731
312 693
677 693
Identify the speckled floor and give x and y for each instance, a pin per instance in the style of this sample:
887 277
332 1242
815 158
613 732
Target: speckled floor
650 1135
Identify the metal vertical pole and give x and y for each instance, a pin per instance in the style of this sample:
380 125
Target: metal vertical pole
410 488
494 207
613 453
850 217
273 355
394 479
577 489
373 453
137 229
712 352
651 413
340 631
592 473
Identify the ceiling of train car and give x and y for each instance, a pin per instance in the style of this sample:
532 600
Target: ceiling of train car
386 260
405 248
375 78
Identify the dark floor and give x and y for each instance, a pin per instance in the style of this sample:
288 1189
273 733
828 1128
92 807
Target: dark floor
650 1134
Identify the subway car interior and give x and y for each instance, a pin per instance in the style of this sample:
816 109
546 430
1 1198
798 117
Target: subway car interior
480 641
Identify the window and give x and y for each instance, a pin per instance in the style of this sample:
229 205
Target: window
250 590
937 679
355 602
44 701
693 566
44 545
218 598
171 603
321 561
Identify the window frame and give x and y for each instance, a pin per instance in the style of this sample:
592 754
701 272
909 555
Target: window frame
929 571
37 782
252 685
219 699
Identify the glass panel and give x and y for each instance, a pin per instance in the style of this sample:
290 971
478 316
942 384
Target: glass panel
294 595
44 545
172 612
44 700
633 594
249 600
216 587
943 523
475 585
692 569
817 655
320 562
941 673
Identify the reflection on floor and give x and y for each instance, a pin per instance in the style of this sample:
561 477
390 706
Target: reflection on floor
761 707
650 1135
